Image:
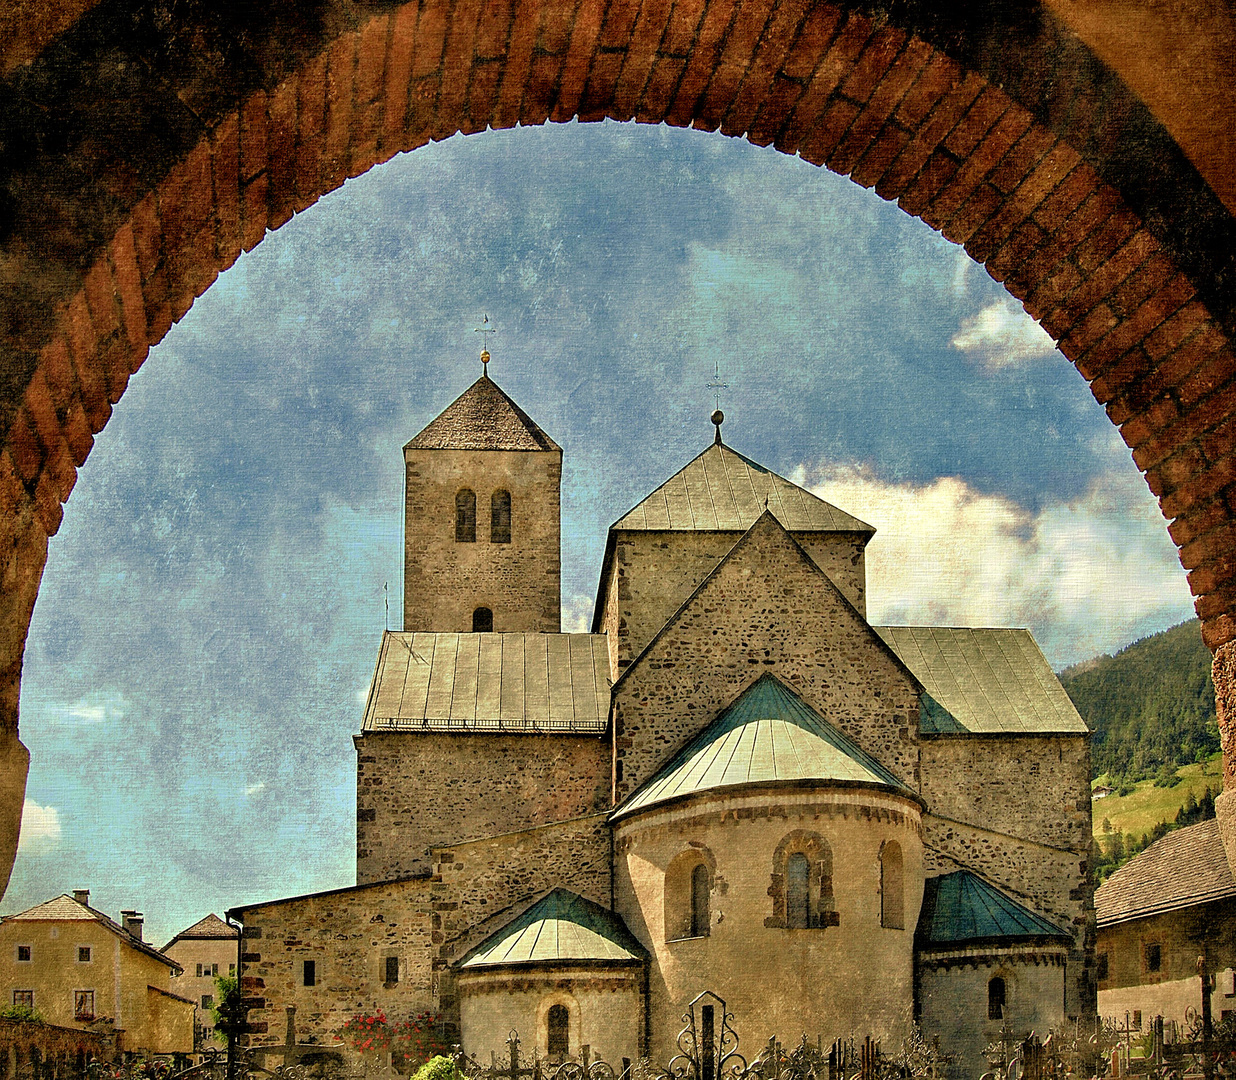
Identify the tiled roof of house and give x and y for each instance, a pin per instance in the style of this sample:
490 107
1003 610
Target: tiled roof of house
210 928
983 681
961 908
65 908
561 926
724 491
1186 867
767 735
490 682
483 418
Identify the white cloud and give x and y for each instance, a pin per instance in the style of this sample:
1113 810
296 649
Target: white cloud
40 828
97 707
1002 335
1086 576
577 614
255 789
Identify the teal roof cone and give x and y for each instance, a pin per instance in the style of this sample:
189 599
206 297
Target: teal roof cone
961 908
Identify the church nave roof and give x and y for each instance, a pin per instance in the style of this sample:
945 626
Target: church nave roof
722 490
512 682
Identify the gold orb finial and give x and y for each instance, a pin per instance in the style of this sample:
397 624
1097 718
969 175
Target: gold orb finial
485 359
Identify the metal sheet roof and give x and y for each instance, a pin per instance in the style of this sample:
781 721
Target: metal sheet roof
983 681
483 418
561 926
490 682
768 734
1186 867
722 490
961 907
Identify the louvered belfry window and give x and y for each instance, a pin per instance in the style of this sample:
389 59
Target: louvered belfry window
500 519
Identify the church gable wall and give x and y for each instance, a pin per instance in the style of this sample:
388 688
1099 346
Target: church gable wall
652 574
1036 787
424 922
446 580
767 609
417 790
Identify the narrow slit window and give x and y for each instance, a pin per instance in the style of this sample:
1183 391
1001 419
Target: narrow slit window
465 517
995 999
892 888
482 621
392 970
797 891
311 973
500 518
559 1040
700 888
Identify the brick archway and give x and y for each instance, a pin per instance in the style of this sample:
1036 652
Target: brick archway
997 129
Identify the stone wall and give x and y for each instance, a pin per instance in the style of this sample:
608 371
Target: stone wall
652 574
445 581
425 922
415 790
768 608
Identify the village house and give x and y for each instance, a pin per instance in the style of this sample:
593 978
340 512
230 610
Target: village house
734 783
1158 916
205 951
78 968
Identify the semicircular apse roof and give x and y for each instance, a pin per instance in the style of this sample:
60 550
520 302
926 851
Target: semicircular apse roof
768 735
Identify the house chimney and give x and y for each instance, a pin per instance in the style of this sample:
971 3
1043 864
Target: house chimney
82 896
132 922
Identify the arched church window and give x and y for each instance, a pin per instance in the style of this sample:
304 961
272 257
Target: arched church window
802 883
559 1040
500 518
701 886
465 516
892 887
482 621
797 891
995 999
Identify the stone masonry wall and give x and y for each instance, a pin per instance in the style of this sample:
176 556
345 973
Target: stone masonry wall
417 790
445 581
653 574
425 922
767 609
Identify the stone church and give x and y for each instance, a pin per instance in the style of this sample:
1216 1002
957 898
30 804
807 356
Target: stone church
734 783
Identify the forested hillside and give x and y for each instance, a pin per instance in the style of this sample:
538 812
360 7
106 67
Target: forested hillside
1151 706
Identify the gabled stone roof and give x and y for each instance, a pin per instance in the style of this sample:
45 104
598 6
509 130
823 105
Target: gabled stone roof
961 908
1182 869
767 735
723 491
482 418
490 682
65 908
208 929
983 681
560 927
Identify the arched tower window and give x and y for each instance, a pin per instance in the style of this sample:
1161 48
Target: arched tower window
559 1025
482 621
465 516
500 518
892 887
995 999
797 891
701 886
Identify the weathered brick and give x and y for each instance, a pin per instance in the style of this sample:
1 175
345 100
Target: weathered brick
685 19
978 120
283 124
225 171
649 27
340 70
42 411
994 145
253 154
773 114
734 62
935 173
939 76
57 367
1087 332
1105 239
1016 165
1199 519
820 141
1025 239
254 215
456 62
24 445
871 120
984 202
783 26
147 234
883 151
128 283
1178 327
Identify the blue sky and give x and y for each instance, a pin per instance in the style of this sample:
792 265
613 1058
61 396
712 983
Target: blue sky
211 608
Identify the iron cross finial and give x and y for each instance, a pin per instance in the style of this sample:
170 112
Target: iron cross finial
716 385
485 328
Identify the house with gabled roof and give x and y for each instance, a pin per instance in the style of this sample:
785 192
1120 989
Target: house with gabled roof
1162 917
205 951
734 783
77 967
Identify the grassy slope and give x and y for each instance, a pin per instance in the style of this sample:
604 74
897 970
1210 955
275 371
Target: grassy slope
1140 811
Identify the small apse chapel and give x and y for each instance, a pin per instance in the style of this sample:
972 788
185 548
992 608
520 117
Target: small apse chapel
734 783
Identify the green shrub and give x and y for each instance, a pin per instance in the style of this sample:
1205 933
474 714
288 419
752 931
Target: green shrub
438 1068
21 1012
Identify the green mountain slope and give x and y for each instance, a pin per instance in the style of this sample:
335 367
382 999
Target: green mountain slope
1151 706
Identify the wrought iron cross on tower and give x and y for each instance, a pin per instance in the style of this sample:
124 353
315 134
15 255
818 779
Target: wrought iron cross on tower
485 328
716 385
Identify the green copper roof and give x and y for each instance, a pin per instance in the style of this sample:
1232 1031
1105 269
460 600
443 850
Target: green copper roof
561 926
724 491
983 681
768 734
961 907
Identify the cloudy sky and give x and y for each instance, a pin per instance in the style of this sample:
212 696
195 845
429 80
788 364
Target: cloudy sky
212 607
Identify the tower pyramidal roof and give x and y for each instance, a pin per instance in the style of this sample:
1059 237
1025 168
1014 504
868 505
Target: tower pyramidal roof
483 417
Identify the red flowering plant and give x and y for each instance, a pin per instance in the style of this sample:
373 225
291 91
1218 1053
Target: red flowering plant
410 1042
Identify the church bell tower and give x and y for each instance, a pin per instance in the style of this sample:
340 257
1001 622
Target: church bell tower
482 529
